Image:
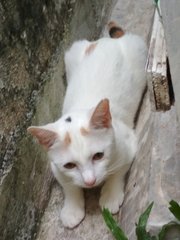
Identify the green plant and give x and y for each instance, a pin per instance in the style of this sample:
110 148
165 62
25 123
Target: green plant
175 209
112 225
141 231
156 2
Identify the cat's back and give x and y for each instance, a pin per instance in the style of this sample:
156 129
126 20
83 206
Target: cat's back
134 49
107 68
85 54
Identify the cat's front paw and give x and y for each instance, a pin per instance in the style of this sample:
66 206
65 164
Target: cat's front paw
71 217
110 200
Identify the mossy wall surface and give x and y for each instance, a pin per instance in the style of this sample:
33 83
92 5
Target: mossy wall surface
33 38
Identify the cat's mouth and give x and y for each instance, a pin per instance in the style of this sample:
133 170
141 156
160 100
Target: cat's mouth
97 184
89 187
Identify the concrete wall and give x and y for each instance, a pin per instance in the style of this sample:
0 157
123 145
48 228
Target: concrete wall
171 22
154 175
33 37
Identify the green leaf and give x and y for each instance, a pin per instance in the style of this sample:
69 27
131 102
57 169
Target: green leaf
166 228
175 209
144 217
141 232
112 225
156 1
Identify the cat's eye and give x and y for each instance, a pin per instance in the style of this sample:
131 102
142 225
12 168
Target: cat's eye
70 165
98 156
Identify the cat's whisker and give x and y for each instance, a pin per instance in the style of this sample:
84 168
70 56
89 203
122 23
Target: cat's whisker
66 183
114 167
112 170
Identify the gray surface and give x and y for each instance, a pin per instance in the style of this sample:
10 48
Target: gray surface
154 174
171 23
92 227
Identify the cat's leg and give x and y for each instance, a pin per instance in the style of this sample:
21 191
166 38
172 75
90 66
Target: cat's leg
73 210
112 193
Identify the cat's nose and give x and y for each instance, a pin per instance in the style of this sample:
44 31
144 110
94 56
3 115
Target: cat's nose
90 182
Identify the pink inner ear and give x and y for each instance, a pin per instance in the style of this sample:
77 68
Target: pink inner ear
44 136
101 117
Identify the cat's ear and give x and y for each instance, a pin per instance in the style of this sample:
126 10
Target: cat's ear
101 117
45 136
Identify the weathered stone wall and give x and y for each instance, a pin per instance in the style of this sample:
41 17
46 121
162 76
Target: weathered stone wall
33 37
170 19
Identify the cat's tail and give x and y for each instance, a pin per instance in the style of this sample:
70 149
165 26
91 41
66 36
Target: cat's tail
114 30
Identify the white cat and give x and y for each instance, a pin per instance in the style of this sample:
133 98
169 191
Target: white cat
93 142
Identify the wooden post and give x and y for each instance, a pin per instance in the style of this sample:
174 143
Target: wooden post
157 66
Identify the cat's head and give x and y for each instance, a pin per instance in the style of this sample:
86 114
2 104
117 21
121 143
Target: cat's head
80 144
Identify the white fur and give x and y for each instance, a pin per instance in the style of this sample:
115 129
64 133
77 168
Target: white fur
113 70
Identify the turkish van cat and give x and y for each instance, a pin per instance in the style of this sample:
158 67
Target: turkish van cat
94 143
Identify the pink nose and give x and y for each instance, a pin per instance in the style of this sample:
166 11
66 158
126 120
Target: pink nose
90 183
